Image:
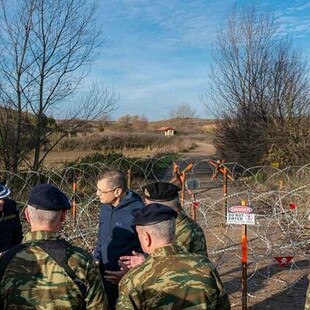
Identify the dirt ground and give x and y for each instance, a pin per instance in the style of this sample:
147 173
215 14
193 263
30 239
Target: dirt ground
269 285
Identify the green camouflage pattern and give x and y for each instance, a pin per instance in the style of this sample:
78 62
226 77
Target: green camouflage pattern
171 279
33 280
307 304
189 235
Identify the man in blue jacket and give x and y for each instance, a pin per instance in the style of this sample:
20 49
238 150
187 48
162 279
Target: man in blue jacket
117 235
11 232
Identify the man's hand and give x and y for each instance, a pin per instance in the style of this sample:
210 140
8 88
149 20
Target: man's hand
114 276
133 260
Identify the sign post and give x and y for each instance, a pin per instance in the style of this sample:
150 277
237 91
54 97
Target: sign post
242 215
244 261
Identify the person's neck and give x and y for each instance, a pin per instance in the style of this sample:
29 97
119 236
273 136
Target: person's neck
45 228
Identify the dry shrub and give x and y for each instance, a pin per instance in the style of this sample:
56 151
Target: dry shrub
173 145
129 141
111 142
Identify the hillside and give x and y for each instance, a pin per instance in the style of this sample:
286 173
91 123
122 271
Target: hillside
137 138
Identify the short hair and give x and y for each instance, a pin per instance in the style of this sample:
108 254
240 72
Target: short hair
174 204
163 231
44 216
115 177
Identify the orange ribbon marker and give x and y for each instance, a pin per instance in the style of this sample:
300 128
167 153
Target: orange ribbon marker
244 261
244 247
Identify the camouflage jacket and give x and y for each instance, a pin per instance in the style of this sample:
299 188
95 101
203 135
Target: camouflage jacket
307 304
169 279
33 280
189 235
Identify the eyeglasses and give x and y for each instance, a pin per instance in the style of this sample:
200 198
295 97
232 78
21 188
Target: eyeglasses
105 192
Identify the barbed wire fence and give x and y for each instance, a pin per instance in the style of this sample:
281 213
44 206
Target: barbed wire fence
280 199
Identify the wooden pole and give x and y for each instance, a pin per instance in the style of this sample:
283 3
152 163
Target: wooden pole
220 168
74 187
180 177
193 208
225 193
244 261
129 178
182 200
183 180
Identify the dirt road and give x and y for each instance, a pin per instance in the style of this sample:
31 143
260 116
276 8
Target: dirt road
202 149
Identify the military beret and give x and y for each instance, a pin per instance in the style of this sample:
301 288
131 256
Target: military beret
48 197
4 191
161 191
153 213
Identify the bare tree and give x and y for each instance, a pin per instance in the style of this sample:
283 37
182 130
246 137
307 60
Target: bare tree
47 47
260 85
182 111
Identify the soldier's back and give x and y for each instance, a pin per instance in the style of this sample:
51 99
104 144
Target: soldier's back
33 280
189 235
171 280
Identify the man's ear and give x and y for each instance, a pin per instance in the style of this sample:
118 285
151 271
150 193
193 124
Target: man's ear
148 239
27 215
118 192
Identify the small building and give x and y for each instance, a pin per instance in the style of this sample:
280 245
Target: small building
169 131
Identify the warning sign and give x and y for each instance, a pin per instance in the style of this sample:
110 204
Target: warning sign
241 218
240 209
283 260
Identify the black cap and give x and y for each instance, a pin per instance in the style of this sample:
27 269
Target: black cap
153 213
161 191
48 197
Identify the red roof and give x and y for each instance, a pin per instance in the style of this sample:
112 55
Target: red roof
165 128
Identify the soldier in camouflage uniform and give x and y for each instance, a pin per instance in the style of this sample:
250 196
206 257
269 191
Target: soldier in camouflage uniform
169 279
189 235
33 279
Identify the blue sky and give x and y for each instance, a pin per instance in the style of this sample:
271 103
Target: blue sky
157 53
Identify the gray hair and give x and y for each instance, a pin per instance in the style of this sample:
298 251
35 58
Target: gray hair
44 216
163 231
115 177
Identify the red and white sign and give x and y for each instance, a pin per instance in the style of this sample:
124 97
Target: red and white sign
283 260
240 209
